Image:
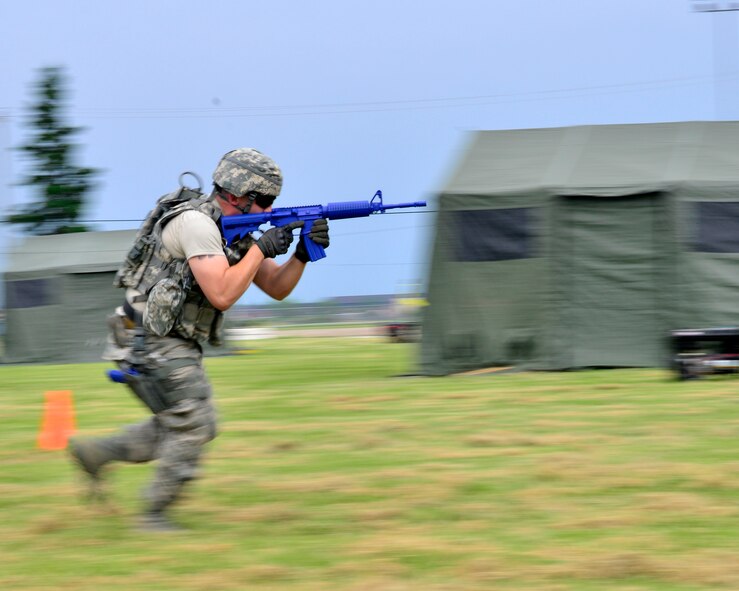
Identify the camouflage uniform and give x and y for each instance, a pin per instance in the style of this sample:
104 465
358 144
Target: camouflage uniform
176 434
159 346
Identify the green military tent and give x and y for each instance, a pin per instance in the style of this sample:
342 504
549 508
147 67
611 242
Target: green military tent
58 293
583 246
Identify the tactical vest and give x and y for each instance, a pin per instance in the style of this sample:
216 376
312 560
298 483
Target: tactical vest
174 303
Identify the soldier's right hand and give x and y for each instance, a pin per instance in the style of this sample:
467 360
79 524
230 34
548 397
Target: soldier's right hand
276 241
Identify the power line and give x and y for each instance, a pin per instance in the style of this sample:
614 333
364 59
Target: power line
334 234
323 264
384 106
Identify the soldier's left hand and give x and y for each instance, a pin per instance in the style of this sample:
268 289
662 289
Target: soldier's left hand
318 234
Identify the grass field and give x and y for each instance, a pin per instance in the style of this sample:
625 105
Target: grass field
333 473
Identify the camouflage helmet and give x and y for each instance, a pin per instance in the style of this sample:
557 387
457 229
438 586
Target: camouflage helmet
246 170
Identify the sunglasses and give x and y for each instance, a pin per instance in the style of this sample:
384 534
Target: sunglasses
263 201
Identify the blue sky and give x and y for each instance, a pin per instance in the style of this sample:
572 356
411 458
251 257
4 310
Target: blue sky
348 97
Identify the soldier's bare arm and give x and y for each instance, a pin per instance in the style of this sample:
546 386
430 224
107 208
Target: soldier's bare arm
278 281
224 285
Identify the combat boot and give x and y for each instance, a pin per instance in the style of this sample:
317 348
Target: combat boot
155 521
91 455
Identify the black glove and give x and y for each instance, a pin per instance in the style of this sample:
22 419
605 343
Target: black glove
277 240
318 234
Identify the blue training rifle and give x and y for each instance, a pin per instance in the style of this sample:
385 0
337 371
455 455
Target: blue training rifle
237 226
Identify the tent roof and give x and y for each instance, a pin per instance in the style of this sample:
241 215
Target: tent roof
83 252
599 157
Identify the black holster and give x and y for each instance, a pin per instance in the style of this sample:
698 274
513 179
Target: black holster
147 383
146 387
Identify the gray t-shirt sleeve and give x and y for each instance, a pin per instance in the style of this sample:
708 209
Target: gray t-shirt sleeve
190 234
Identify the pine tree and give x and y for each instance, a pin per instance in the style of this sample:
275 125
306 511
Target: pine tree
60 187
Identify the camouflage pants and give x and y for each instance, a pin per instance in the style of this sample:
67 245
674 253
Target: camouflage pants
177 435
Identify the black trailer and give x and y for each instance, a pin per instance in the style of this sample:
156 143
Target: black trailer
702 351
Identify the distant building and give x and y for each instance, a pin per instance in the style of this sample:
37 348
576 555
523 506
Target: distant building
59 292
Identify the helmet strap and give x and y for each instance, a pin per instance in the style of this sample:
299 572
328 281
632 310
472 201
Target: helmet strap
241 209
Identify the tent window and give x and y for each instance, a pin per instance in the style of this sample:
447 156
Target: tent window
31 293
718 227
493 234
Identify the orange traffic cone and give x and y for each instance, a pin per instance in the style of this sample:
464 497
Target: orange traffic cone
58 421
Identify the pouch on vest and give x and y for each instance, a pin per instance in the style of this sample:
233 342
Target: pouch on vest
215 339
163 306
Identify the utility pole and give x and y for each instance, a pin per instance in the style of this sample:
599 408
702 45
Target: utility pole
725 55
6 200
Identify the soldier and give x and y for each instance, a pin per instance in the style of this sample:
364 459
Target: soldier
179 279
